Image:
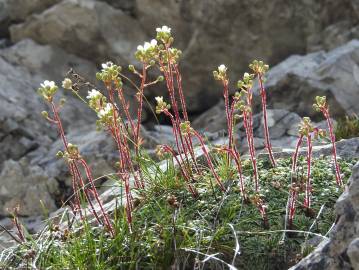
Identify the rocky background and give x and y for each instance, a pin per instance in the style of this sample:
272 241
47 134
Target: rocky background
311 46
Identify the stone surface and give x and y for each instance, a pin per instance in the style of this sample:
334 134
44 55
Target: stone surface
209 33
294 83
77 24
25 186
341 250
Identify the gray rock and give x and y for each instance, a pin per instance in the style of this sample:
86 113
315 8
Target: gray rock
17 10
208 33
294 83
25 186
77 24
353 253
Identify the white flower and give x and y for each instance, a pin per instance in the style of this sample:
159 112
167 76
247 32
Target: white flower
147 46
48 84
93 94
107 65
159 100
140 48
164 29
105 111
222 68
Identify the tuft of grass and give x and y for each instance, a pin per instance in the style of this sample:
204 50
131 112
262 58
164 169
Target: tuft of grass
216 230
347 128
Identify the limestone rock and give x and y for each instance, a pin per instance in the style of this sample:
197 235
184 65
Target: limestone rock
294 83
88 28
25 186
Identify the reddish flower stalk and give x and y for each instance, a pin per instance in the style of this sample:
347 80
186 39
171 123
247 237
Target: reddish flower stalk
292 205
249 134
169 77
121 140
308 187
293 189
295 155
125 107
140 107
176 131
19 228
107 221
76 190
209 161
78 178
228 113
334 148
257 200
180 92
265 124
124 163
168 149
236 157
185 115
75 172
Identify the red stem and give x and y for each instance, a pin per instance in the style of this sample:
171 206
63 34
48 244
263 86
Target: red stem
94 190
307 201
187 178
209 161
265 124
334 149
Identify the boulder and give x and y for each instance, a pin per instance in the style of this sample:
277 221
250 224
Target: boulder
236 32
294 83
18 10
229 32
28 187
88 28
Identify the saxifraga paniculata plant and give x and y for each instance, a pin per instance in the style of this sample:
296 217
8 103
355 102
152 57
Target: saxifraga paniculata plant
309 132
125 130
321 105
74 160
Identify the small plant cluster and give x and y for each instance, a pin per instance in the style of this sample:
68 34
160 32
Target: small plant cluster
347 128
221 163
118 122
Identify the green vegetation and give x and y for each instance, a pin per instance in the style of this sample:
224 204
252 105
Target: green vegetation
347 128
216 211
171 228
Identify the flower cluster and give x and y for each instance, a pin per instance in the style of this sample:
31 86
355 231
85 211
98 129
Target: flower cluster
164 34
246 83
320 103
96 99
106 113
146 53
48 90
161 105
186 128
221 73
259 67
306 128
110 73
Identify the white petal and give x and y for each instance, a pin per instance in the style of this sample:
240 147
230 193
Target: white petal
153 42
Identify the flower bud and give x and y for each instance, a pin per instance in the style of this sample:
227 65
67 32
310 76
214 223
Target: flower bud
67 84
45 114
131 68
